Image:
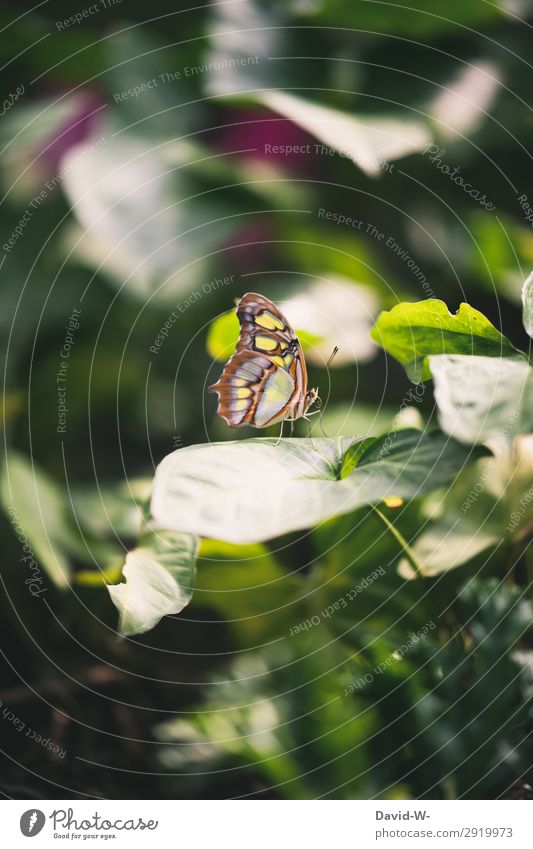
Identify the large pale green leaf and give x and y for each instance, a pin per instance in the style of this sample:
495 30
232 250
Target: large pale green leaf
527 301
447 544
367 140
36 508
139 218
483 397
485 504
159 576
30 136
254 490
459 107
222 336
412 332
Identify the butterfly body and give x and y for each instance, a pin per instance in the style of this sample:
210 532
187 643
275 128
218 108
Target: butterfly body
265 381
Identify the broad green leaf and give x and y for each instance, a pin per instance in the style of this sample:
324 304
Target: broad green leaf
463 522
31 136
527 301
36 509
354 454
159 576
367 140
138 218
465 102
254 490
483 397
85 528
485 504
412 332
448 543
222 336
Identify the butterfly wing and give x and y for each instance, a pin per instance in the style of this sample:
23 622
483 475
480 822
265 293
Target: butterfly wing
252 390
258 316
265 381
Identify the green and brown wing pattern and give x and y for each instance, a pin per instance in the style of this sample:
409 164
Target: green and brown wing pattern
265 380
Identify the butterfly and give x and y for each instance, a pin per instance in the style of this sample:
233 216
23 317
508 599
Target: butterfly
265 381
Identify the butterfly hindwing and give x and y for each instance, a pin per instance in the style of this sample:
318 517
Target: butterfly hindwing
274 398
265 381
252 390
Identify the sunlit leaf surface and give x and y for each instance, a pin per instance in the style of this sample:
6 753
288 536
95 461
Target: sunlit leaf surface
412 332
254 490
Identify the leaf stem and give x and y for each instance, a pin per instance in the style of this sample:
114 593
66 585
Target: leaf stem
408 551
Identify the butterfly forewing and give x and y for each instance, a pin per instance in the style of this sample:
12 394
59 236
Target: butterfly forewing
259 317
265 381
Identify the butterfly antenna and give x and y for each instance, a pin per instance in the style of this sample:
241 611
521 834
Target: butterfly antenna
321 425
332 356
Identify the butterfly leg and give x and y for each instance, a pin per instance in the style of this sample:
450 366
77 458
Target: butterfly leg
321 425
309 434
318 413
278 440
